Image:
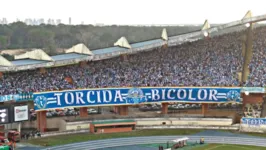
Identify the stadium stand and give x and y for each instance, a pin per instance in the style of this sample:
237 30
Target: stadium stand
253 111
212 62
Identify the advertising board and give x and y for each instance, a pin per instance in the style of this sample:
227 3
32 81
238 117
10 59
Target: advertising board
21 113
253 125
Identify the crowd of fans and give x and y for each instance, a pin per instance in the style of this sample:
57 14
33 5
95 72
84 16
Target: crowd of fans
212 62
30 134
253 111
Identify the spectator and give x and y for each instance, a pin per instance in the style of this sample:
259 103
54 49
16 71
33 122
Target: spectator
213 62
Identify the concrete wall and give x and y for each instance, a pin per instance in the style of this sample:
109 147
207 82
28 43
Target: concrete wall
51 123
68 126
24 125
77 125
185 121
248 128
233 127
59 123
47 134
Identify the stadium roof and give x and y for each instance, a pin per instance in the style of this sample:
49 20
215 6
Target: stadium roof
108 50
146 43
4 62
80 49
36 54
27 62
122 42
206 25
68 56
39 59
164 35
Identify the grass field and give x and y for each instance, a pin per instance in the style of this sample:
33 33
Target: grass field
73 138
226 147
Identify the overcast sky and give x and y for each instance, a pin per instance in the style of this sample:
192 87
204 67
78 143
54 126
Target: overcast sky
132 11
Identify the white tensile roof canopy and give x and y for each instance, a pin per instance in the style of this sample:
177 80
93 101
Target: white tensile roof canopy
122 42
248 15
164 35
4 61
206 25
79 48
36 54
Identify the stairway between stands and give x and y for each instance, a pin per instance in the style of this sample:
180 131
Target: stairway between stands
263 111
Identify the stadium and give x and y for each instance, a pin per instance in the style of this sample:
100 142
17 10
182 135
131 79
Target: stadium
213 78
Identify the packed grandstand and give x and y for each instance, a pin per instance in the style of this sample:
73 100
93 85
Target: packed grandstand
206 62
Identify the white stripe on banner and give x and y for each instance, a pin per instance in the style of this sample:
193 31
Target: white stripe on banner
51 98
221 97
221 94
51 102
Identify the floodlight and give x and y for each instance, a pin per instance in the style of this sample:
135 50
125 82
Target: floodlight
206 34
247 25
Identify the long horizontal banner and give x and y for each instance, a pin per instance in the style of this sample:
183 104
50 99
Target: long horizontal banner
16 97
129 96
253 121
5 98
253 89
253 125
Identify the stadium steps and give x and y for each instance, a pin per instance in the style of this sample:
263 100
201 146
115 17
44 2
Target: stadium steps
263 110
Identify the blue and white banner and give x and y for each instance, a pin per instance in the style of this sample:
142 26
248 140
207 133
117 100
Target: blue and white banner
253 125
253 89
24 97
5 98
131 96
253 121
16 97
